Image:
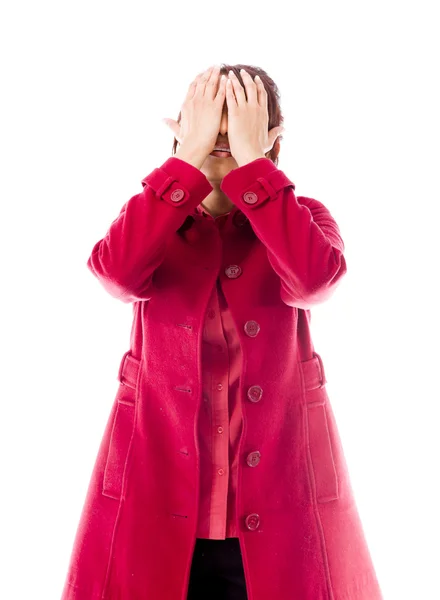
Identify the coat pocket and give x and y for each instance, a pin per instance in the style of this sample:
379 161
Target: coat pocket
123 427
323 466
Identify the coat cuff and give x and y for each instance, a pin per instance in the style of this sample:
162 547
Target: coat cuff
255 183
176 182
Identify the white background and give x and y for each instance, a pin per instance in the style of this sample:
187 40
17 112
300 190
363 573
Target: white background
84 88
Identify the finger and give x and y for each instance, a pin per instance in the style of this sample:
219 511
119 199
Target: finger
193 86
221 92
212 83
230 96
191 90
251 87
205 75
202 81
262 94
237 87
213 75
200 78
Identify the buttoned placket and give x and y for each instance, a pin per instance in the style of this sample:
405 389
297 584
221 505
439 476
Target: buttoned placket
220 423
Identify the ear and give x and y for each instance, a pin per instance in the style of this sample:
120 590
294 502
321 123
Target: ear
275 150
274 133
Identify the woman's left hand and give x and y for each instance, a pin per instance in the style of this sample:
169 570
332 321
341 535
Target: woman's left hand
248 120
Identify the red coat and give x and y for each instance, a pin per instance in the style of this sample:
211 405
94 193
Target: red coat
300 533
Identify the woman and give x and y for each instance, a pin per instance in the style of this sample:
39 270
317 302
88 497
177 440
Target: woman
221 473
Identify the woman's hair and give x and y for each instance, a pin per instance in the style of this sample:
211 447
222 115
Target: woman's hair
273 102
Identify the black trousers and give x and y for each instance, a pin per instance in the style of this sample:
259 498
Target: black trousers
217 571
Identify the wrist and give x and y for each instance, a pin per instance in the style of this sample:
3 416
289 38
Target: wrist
249 156
192 154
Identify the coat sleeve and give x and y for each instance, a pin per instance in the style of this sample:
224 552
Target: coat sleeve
135 244
303 241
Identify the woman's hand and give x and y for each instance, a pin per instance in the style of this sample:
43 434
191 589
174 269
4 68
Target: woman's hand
248 120
201 112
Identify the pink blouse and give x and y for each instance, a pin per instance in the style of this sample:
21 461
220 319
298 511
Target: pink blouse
220 417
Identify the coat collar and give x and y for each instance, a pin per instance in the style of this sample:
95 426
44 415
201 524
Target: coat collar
235 215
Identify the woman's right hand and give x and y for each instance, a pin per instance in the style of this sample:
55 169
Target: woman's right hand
201 111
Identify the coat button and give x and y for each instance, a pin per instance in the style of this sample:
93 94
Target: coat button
177 195
254 393
253 458
250 197
253 521
233 271
251 328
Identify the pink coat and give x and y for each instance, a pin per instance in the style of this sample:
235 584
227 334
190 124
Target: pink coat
300 533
